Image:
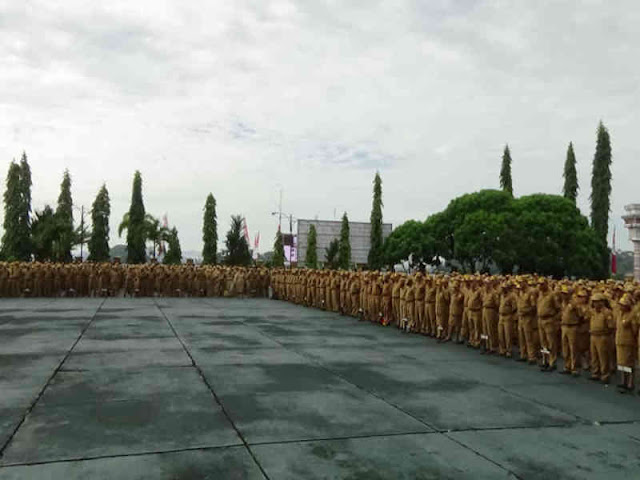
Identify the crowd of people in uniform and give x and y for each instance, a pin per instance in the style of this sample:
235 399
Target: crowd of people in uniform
35 279
593 326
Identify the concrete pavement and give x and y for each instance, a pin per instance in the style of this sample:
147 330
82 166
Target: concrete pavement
244 389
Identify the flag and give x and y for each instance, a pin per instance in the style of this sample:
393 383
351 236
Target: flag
614 259
165 221
256 241
246 232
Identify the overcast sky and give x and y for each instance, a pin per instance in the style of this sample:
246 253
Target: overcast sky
242 98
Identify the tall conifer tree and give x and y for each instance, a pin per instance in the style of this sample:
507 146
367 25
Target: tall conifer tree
99 240
506 182
16 240
601 192
375 258
237 247
210 232
278 250
344 246
570 175
311 257
136 231
64 218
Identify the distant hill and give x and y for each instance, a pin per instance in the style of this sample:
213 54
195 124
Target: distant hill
118 251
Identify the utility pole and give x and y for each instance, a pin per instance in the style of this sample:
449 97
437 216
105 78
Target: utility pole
82 233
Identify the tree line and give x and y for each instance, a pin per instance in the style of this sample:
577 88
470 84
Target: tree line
541 233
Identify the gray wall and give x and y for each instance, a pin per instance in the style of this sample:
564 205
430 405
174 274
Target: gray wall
327 230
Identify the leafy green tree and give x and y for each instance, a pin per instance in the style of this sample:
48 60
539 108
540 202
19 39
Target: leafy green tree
331 254
236 244
505 171
553 237
311 257
600 195
570 175
411 240
376 255
45 229
344 246
99 239
174 252
137 228
278 251
210 232
64 216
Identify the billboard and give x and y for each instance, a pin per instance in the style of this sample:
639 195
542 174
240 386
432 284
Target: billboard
327 230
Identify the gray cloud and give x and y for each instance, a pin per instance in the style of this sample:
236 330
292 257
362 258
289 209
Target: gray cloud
242 98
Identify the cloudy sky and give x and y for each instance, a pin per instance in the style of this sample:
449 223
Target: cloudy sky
244 98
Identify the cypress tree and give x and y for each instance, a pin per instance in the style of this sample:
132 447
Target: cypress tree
210 232
174 252
344 246
25 208
331 254
311 257
505 171
570 188
11 239
64 218
601 191
278 250
136 231
375 257
99 240
236 245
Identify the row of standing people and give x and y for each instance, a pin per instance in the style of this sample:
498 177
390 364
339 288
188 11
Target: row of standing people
592 326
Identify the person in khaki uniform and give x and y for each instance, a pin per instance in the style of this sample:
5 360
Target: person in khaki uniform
354 292
506 318
475 315
409 305
600 327
490 304
430 293
387 303
419 303
571 318
456 309
626 348
549 325
443 300
335 292
396 289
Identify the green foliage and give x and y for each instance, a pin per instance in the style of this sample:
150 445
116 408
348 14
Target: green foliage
331 254
506 182
376 255
311 257
45 230
64 217
570 175
600 195
237 248
210 232
16 240
156 233
136 228
543 234
174 252
278 251
554 238
344 245
99 240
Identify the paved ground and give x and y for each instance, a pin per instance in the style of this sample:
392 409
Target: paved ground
254 389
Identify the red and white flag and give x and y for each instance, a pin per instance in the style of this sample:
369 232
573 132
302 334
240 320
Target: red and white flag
246 232
256 241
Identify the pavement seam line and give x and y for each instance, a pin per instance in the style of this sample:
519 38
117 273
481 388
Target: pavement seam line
213 393
48 382
119 455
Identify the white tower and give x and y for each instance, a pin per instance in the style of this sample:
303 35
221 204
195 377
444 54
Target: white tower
632 222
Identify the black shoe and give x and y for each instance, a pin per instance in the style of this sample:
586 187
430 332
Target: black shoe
594 379
521 360
552 368
532 362
575 374
544 368
565 372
